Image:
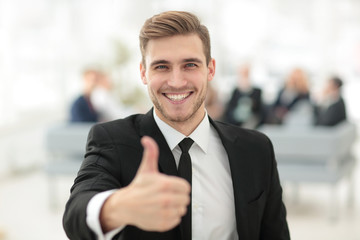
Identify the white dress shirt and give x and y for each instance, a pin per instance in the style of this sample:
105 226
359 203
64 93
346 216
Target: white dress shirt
213 207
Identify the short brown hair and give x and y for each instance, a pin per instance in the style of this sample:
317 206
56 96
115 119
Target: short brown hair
173 23
337 81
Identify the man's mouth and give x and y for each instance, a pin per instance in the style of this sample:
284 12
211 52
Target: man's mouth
177 97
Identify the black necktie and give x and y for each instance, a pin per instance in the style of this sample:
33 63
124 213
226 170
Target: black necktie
185 171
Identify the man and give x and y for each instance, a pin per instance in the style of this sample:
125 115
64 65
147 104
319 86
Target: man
331 109
244 107
136 192
294 92
82 109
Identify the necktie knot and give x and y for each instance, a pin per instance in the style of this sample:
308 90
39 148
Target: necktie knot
185 144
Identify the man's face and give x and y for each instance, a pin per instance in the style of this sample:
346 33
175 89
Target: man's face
177 76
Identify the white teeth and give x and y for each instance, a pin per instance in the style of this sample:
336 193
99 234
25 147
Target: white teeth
177 97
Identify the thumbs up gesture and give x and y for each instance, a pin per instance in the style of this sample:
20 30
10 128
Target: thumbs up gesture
153 201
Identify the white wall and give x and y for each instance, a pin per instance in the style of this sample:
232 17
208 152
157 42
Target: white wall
45 44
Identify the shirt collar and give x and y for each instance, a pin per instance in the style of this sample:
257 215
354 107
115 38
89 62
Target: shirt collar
201 135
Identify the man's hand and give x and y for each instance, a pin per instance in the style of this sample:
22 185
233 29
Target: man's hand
153 201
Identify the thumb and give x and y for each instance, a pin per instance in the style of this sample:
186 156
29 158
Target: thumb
149 162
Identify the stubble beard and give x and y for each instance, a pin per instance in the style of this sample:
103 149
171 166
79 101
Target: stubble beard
179 118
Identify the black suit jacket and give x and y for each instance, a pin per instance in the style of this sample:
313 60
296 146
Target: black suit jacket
113 155
332 115
82 111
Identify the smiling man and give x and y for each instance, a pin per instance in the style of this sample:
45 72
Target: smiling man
174 173
177 77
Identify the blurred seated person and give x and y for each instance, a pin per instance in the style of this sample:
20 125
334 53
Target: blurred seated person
212 104
104 101
244 107
296 90
331 108
82 109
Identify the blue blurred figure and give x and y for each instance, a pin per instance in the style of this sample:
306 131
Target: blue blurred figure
82 109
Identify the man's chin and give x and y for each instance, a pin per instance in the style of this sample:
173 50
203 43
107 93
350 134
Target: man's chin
176 116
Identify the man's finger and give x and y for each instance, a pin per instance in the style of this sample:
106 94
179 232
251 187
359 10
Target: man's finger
149 162
176 184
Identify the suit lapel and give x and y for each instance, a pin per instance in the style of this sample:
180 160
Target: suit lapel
148 127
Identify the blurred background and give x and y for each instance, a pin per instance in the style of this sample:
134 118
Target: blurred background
46 47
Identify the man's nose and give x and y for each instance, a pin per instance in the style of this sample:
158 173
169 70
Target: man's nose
176 78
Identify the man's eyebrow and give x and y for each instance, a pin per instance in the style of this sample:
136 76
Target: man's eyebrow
159 62
197 60
186 60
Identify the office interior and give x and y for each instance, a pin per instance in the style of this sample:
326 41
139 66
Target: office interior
45 46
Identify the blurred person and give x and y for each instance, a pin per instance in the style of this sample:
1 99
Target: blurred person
104 102
138 179
296 90
330 110
82 109
244 107
213 105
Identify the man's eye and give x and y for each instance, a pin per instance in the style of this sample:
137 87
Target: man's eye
160 67
190 65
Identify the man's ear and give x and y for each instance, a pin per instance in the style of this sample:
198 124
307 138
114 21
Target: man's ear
211 69
143 73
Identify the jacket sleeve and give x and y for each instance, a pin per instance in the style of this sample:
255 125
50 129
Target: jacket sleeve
95 175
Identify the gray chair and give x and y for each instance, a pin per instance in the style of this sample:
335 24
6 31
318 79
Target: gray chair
309 154
65 145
